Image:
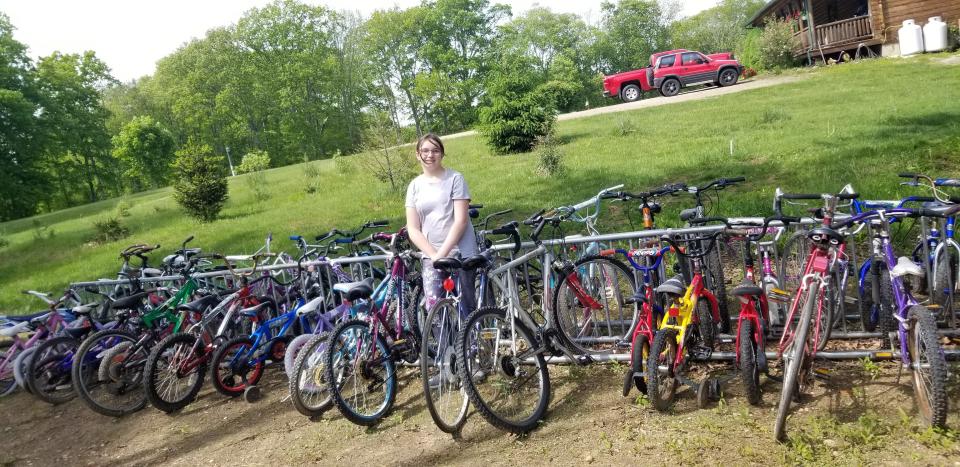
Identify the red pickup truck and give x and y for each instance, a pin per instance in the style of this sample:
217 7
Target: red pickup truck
671 70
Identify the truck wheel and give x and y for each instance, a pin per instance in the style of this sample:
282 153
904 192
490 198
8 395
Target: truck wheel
630 93
728 77
670 87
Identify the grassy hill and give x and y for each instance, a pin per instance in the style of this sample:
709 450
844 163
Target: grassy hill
855 123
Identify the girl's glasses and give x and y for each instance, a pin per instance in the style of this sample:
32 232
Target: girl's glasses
435 152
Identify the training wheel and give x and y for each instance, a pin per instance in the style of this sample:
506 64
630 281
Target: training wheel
252 394
714 389
703 394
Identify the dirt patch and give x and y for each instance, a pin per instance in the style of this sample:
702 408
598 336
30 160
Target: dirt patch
857 416
952 60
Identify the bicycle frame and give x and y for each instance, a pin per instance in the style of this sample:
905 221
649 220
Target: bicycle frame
682 312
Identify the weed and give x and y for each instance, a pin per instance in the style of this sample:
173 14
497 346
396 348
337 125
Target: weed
771 116
341 164
870 368
938 439
40 231
641 401
109 229
626 127
549 156
257 183
605 442
312 175
123 208
4 242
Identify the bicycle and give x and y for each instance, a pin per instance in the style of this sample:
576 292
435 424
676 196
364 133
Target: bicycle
42 325
692 308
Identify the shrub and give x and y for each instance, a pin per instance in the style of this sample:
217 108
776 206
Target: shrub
254 161
550 158
257 183
200 188
40 231
4 242
312 175
382 157
123 208
777 44
110 229
518 114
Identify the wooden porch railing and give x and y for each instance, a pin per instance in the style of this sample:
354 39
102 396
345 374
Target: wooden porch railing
844 31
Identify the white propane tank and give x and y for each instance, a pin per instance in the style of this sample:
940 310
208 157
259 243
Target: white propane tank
911 38
935 35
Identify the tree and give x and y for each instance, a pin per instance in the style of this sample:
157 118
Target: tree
632 31
200 187
718 29
518 114
73 116
145 150
21 134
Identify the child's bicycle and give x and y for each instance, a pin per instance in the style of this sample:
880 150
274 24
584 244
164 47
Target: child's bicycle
688 328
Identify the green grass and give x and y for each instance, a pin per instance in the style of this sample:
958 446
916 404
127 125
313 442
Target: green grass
855 123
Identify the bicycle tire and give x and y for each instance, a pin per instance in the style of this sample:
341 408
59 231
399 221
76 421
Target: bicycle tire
111 368
717 285
158 363
826 316
504 371
793 259
438 367
48 375
923 344
293 351
705 326
797 353
229 376
662 385
389 380
308 378
635 376
944 287
749 369
886 323
9 383
567 309
20 366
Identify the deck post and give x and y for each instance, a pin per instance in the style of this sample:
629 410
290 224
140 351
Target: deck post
810 30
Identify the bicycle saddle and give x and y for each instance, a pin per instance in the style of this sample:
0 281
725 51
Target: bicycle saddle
448 264
18 328
747 289
636 298
197 306
673 286
355 290
131 302
310 306
904 267
255 310
476 262
151 272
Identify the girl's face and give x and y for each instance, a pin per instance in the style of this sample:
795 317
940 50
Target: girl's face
429 156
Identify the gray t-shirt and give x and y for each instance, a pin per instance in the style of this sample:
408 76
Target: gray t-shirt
433 200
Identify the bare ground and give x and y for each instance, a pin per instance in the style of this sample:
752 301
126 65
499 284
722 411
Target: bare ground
860 415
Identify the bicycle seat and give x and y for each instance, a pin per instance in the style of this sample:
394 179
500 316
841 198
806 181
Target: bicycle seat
199 305
673 286
906 266
310 307
29 317
82 310
636 298
131 302
820 234
448 264
78 332
475 262
355 290
151 272
254 311
688 214
747 289
18 328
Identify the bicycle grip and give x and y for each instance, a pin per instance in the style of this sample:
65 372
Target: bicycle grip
848 195
907 175
377 223
296 238
800 196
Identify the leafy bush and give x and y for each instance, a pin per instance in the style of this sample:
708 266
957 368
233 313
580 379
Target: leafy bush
382 156
518 114
123 208
40 231
200 187
4 242
312 175
254 161
110 229
257 183
560 95
777 44
748 49
341 164
550 157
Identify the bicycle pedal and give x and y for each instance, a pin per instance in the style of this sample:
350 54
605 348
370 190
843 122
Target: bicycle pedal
822 373
701 352
584 359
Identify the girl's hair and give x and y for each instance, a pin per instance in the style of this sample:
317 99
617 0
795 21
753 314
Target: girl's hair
433 139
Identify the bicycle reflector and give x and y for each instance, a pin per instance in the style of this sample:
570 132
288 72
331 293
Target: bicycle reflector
448 284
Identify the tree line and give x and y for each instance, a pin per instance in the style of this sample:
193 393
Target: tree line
300 82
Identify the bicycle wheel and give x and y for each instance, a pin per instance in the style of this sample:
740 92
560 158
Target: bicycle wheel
308 388
446 399
795 361
929 367
108 373
749 370
505 377
233 368
943 285
8 383
661 379
174 372
717 284
589 305
639 349
293 351
705 326
825 303
793 260
20 366
362 378
48 375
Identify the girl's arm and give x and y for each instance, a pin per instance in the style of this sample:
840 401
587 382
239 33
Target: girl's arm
460 219
416 236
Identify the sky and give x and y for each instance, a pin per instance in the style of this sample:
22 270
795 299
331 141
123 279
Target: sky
131 35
